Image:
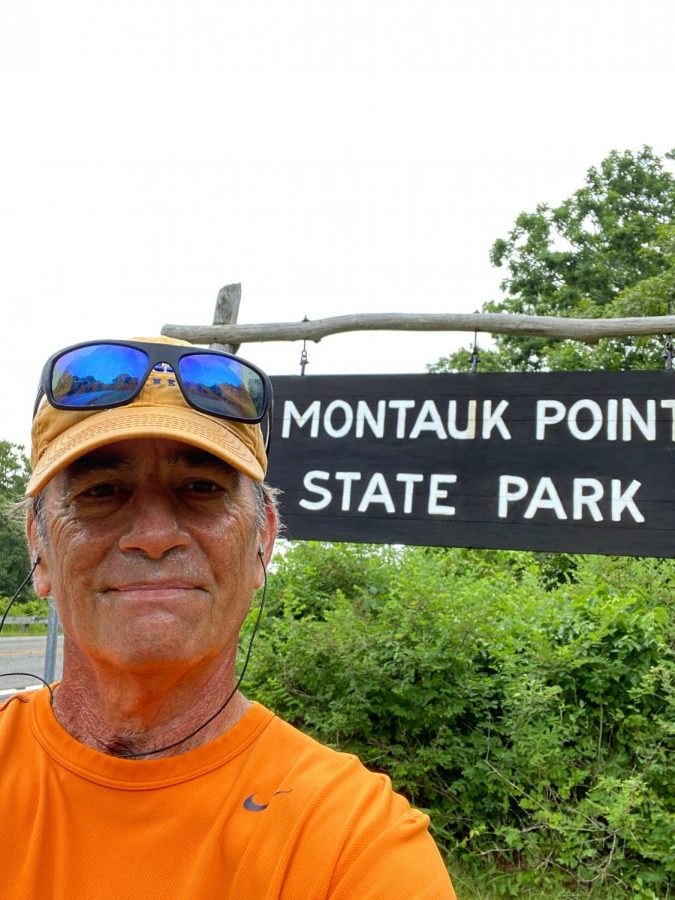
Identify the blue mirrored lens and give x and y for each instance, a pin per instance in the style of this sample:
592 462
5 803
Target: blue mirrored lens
223 386
99 375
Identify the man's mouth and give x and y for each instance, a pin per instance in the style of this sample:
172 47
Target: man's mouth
152 590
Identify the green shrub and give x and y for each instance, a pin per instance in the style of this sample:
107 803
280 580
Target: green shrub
527 702
36 606
33 607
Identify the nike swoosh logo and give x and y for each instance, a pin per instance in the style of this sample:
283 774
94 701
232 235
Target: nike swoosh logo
252 806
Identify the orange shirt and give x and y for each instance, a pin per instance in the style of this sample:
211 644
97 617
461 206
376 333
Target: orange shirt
261 812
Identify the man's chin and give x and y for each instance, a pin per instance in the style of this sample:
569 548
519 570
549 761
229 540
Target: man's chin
151 644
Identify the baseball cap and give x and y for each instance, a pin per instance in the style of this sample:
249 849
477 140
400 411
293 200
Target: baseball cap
60 436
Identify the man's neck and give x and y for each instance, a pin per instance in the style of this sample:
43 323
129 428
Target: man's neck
133 714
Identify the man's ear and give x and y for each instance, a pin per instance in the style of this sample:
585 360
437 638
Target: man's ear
265 544
41 580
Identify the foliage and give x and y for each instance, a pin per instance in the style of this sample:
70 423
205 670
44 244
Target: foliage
606 251
35 606
526 701
14 561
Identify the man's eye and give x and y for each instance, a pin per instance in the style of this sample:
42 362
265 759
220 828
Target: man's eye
203 487
102 490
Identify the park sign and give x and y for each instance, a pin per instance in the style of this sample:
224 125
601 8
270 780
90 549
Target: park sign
559 461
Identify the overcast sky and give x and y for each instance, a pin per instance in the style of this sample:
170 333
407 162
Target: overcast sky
334 157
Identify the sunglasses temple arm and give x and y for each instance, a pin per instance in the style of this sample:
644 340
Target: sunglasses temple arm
40 395
268 436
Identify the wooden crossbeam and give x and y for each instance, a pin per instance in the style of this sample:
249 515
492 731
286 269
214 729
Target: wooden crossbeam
588 330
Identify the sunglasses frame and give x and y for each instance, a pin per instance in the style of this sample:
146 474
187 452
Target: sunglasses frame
170 354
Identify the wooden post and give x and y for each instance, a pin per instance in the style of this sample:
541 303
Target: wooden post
226 313
51 648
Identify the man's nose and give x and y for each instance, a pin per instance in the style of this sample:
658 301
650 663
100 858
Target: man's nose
154 526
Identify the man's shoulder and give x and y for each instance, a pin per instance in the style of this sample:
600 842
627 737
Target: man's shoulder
320 776
300 751
298 739
16 705
368 837
15 725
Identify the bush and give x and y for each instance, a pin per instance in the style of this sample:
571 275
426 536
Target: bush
32 607
526 702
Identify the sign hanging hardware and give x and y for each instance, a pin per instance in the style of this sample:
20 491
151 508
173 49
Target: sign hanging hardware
304 359
475 355
669 350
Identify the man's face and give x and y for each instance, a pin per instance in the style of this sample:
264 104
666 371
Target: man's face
150 554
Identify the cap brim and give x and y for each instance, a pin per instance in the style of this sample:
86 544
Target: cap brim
214 435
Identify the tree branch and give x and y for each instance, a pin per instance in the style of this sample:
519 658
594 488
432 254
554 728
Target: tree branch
589 330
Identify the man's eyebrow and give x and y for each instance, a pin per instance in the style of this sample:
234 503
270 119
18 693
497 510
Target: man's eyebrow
96 462
199 459
109 462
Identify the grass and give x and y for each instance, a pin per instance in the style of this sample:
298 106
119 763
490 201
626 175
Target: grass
12 630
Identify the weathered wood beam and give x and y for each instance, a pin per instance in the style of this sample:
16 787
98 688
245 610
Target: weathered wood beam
226 313
589 330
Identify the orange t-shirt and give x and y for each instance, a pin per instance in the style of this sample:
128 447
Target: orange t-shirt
261 812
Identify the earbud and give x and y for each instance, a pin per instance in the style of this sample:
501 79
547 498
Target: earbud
36 558
260 551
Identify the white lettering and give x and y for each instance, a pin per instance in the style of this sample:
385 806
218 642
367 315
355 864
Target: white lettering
409 479
545 497
377 492
511 488
630 414
494 419
612 419
557 414
436 493
313 488
586 496
616 419
312 412
347 478
624 501
589 499
401 406
329 428
468 433
364 414
670 404
428 420
596 419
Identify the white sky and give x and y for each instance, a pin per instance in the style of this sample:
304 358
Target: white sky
334 157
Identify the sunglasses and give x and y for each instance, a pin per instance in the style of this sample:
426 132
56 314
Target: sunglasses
106 374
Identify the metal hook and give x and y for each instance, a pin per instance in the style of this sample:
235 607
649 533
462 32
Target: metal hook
304 360
669 350
475 355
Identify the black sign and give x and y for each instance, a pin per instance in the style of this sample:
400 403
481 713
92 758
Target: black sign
575 461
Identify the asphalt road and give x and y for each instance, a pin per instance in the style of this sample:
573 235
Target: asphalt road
19 653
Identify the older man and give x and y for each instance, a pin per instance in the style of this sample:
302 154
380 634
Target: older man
145 773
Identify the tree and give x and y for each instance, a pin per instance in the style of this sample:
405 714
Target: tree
14 561
607 251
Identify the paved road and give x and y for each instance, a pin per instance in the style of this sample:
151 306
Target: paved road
19 653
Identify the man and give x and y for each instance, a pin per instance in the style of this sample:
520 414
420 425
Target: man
145 773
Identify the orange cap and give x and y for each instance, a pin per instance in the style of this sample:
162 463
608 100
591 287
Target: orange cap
60 436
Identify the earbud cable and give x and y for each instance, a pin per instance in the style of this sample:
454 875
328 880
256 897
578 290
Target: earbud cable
232 692
2 622
18 591
200 727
